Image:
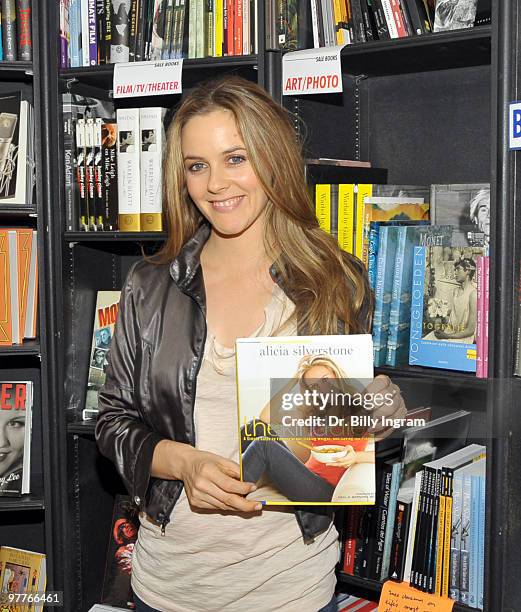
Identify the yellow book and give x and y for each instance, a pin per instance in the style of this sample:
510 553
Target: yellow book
22 572
346 212
218 28
362 191
323 206
338 20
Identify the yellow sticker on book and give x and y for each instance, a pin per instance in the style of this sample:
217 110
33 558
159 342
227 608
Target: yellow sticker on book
401 597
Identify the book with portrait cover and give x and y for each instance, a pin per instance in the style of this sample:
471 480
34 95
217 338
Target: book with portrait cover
16 400
444 307
107 303
304 419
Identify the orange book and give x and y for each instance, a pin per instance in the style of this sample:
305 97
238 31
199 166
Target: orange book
6 333
24 244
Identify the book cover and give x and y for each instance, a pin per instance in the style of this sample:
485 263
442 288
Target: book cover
454 14
467 208
16 400
120 31
302 424
107 304
443 308
11 136
123 535
109 175
22 571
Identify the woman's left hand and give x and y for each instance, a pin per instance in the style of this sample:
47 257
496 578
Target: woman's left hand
346 461
392 406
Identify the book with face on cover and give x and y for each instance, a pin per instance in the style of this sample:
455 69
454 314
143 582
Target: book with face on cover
22 573
304 418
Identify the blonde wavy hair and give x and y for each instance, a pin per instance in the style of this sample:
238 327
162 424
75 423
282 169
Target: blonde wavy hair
312 267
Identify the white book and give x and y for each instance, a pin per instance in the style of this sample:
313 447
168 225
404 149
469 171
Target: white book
129 191
85 32
151 163
32 292
389 18
246 42
13 281
453 460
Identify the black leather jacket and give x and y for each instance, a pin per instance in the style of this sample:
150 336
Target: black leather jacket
149 392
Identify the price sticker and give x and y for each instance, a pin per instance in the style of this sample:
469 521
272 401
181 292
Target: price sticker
312 71
135 79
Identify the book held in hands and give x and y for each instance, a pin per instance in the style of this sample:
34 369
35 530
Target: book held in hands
304 418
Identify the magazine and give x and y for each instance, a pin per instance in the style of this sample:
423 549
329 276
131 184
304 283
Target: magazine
104 320
304 418
16 399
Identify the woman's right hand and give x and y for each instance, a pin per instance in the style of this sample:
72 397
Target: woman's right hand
211 482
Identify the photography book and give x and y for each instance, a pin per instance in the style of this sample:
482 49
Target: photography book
16 399
107 303
304 418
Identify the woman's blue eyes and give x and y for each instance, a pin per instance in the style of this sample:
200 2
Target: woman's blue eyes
233 160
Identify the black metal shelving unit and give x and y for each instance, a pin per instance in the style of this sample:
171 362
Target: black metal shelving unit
429 109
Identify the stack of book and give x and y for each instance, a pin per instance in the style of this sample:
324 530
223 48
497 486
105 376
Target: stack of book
427 526
16 40
94 33
357 21
19 280
427 264
113 166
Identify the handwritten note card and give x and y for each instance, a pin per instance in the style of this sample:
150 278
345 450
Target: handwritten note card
400 597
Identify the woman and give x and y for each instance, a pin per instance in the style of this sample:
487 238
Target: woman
289 465
244 256
12 436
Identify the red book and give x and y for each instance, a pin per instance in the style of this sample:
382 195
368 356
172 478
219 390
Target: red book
398 18
230 42
353 520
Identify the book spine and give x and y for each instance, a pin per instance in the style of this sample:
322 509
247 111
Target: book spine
480 315
486 317
389 19
465 541
157 42
169 26
323 206
358 21
71 213
132 31
128 170
81 174
398 18
381 521
140 33
31 318
246 27
399 542
474 541
361 228
314 24
92 34
396 297
352 526
107 29
84 29
380 20
218 28
389 528
237 33
109 143
367 17
75 34
100 29
449 479
6 336
64 33
481 552
89 172
455 539
98 181
119 32
346 209
417 304
374 235
9 30
231 27
151 162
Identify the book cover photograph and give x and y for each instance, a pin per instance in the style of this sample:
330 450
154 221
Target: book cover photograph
444 307
104 320
304 419
15 437
123 535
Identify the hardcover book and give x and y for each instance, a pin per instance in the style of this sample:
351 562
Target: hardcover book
443 308
16 399
303 426
107 303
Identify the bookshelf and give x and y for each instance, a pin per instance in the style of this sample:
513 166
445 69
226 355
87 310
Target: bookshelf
441 102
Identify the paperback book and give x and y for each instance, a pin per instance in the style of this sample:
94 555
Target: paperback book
444 307
16 399
22 572
304 419
104 320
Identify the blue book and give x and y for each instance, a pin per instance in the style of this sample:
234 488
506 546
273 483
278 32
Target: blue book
481 554
389 527
443 308
409 236
383 289
474 540
75 33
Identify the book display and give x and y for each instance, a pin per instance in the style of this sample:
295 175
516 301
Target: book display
411 171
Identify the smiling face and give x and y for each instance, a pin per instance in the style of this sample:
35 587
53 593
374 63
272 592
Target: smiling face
319 377
219 176
12 433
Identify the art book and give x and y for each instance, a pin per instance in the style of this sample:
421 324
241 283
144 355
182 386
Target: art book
21 572
16 400
304 418
104 319
444 307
